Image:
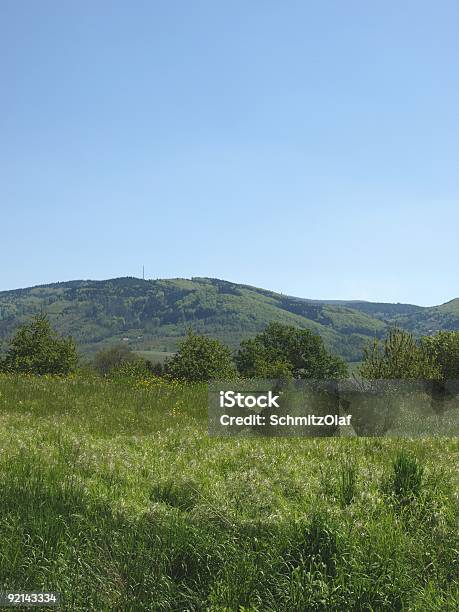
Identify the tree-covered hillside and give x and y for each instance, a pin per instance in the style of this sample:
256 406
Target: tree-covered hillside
430 320
153 315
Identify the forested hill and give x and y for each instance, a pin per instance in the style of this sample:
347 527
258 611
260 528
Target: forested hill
152 315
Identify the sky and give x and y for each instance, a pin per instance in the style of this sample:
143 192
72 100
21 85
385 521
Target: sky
307 147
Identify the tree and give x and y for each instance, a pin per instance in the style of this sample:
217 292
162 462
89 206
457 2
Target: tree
443 348
37 349
283 351
399 357
108 359
201 359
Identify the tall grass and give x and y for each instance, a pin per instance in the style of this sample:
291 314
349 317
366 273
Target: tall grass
348 483
406 478
114 495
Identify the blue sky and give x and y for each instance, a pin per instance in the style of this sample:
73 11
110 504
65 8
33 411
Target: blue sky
306 147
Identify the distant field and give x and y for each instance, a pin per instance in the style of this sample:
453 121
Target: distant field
116 497
156 356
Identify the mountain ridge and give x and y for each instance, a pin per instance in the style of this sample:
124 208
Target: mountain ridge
152 315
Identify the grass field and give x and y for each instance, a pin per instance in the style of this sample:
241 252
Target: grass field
115 496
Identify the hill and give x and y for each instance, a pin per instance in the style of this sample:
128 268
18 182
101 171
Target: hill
152 315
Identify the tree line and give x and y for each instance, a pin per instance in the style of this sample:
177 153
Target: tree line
278 352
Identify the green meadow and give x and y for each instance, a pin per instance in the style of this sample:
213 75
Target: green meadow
114 495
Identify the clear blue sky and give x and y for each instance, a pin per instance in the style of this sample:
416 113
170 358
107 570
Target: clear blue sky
309 147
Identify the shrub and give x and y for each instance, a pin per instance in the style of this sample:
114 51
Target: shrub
133 369
156 368
443 349
398 357
111 358
200 359
37 349
287 351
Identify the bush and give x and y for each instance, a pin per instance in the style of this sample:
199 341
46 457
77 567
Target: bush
200 359
443 349
111 358
137 369
37 349
286 351
399 357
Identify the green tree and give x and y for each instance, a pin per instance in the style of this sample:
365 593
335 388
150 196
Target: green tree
37 349
112 358
286 351
443 349
201 359
399 356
